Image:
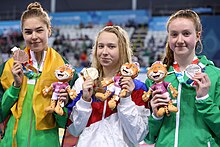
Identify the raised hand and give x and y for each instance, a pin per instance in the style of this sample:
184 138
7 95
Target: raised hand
203 84
17 72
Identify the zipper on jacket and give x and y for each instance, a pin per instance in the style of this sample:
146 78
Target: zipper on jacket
209 144
31 121
177 116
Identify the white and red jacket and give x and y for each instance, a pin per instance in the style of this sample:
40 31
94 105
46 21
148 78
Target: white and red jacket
99 126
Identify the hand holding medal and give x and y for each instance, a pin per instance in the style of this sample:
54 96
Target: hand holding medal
201 80
192 69
20 56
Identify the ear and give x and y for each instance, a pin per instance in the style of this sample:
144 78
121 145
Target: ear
49 32
198 35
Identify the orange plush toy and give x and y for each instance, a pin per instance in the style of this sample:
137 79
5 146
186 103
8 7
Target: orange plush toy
64 74
127 70
157 73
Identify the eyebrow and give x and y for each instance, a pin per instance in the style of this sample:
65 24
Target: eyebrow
26 29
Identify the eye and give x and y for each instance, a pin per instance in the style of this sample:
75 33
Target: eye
39 30
186 33
111 46
100 46
173 34
28 32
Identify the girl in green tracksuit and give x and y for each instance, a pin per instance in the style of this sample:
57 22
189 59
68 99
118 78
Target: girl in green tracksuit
197 122
21 98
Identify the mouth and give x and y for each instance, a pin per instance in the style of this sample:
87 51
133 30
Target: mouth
156 76
60 75
125 71
35 43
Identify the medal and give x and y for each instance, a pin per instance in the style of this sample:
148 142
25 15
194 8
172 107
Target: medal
192 69
29 70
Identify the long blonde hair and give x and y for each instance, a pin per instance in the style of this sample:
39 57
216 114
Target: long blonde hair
189 14
125 51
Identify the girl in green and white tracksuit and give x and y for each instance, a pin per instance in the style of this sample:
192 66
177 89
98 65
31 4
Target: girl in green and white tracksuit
197 122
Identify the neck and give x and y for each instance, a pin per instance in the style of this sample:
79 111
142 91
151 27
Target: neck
38 56
108 73
184 61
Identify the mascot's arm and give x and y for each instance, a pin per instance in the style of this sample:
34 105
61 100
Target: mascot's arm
106 83
47 89
72 93
146 95
173 91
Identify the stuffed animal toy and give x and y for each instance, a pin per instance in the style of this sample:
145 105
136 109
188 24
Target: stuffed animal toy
157 72
126 70
64 74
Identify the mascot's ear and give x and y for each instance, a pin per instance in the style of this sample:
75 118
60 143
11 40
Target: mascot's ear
138 65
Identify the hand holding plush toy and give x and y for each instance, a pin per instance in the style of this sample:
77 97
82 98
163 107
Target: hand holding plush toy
64 74
157 72
127 70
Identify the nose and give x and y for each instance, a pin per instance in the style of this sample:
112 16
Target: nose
34 35
180 39
155 70
105 50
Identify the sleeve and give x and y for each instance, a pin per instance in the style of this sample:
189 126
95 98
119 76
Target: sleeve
80 115
134 119
9 98
154 128
1 91
209 107
61 120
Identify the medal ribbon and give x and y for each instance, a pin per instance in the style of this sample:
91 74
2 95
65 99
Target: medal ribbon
29 70
180 75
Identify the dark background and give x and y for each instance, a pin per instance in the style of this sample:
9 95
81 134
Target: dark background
12 9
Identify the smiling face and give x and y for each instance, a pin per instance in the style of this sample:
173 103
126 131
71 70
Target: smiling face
64 73
130 70
108 50
182 37
36 33
157 72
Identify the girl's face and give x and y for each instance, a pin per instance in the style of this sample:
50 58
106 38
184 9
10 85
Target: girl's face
108 50
35 33
182 37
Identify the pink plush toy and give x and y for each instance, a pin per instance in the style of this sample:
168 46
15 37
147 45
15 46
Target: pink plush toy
157 73
64 74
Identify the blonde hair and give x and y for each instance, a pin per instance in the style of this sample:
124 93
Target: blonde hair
35 10
188 14
125 51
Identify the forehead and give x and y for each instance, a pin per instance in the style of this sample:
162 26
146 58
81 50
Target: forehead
107 37
33 22
181 24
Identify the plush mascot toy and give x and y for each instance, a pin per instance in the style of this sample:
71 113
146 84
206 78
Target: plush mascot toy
157 72
126 70
64 74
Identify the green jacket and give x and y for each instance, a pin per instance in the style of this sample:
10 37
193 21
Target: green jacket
197 123
27 135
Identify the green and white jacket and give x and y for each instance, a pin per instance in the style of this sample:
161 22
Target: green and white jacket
197 123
